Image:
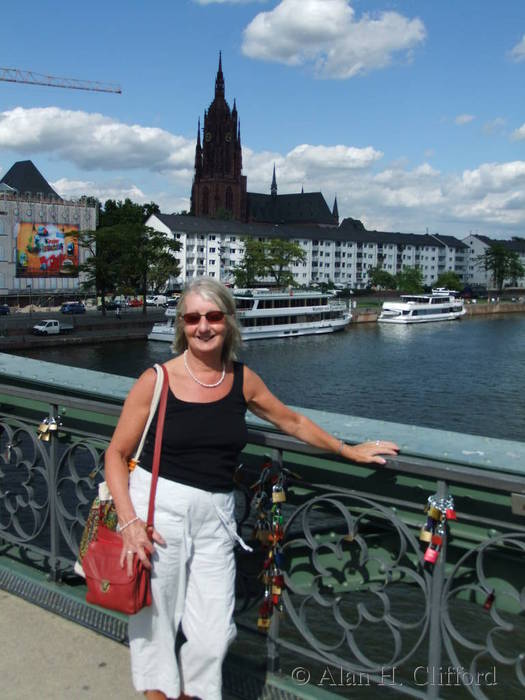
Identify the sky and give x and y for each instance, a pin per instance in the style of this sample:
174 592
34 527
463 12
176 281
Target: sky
411 112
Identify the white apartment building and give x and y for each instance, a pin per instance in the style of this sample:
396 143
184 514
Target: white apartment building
477 246
343 254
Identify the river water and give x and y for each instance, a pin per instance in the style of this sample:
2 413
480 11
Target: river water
467 376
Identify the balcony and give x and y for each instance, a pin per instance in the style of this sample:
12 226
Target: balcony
359 598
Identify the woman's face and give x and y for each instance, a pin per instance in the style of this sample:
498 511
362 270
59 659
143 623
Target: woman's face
204 336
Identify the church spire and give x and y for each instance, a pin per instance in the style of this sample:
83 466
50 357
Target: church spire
219 80
335 211
273 189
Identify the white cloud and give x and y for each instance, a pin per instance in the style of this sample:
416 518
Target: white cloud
93 141
518 52
326 34
462 119
519 134
494 125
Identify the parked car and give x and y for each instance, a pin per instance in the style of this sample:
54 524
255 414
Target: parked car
4 309
73 307
156 300
171 303
110 306
136 302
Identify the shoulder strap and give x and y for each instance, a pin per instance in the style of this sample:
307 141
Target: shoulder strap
153 407
158 446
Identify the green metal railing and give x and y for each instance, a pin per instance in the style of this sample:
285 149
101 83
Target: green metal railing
362 608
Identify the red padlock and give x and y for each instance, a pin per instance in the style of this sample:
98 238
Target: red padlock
437 540
490 599
431 555
450 514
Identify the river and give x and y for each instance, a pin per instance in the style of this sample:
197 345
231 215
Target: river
467 376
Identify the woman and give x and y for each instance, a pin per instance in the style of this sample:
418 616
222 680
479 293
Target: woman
192 550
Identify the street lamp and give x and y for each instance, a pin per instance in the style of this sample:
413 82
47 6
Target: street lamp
29 286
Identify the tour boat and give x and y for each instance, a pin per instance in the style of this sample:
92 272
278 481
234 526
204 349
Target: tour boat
441 305
264 314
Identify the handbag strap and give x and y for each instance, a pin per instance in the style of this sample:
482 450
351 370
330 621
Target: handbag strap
158 446
153 407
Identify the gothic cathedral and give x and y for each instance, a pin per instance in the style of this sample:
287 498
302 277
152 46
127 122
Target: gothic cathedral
219 188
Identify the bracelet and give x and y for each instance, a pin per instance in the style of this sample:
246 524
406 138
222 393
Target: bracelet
342 445
130 522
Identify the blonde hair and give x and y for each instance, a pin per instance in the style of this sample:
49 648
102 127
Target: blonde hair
214 291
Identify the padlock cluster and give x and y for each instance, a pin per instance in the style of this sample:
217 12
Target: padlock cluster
269 496
48 426
438 511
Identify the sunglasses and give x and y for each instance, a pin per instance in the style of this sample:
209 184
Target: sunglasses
193 318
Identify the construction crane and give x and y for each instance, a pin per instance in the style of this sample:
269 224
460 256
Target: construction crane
15 75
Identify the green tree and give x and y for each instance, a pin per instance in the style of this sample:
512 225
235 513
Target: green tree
101 271
410 280
279 256
502 263
381 278
449 280
252 266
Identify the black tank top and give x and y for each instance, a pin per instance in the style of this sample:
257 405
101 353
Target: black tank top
202 441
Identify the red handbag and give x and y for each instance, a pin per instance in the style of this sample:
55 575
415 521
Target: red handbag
108 583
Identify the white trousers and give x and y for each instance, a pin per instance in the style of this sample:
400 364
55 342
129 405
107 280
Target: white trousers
193 585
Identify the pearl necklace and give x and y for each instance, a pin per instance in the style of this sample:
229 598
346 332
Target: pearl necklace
207 386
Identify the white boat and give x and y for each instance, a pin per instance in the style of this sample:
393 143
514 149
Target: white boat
441 305
266 314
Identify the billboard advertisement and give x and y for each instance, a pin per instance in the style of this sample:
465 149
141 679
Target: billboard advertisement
46 250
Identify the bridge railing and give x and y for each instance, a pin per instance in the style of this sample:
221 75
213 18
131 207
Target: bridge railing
361 605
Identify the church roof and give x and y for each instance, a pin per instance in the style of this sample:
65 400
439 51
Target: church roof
307 208
24 177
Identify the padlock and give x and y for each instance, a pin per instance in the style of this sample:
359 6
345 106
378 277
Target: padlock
276 590
431 555
437 539
263 623
45 436
425 535
278 494
489 600
451 514
52 425
434 513
275 598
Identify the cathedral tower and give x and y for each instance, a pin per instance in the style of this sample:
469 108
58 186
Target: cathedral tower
219 188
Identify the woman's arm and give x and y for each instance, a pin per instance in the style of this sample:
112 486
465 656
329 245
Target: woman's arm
264 404
121 448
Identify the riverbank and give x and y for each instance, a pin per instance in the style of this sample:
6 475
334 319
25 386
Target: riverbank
15 331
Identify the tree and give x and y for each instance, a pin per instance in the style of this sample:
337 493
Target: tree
504 264
381 278
252 265
449 280
271 258
279 256
101 267
410 280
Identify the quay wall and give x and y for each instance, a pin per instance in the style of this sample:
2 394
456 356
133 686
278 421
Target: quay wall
15 332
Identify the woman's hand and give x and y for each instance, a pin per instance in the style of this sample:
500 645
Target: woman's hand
137 542
369 452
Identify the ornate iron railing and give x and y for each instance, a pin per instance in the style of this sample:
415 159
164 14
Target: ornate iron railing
362 608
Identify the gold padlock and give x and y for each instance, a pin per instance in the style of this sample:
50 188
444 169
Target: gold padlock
46 437
43 427
53 426
425 535
278 494
276 590
434 513
263 623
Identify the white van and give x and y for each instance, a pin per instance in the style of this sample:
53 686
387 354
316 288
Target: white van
156 300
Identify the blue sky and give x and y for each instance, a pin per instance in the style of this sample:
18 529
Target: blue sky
411 111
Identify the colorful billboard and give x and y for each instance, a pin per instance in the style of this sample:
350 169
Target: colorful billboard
46 250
